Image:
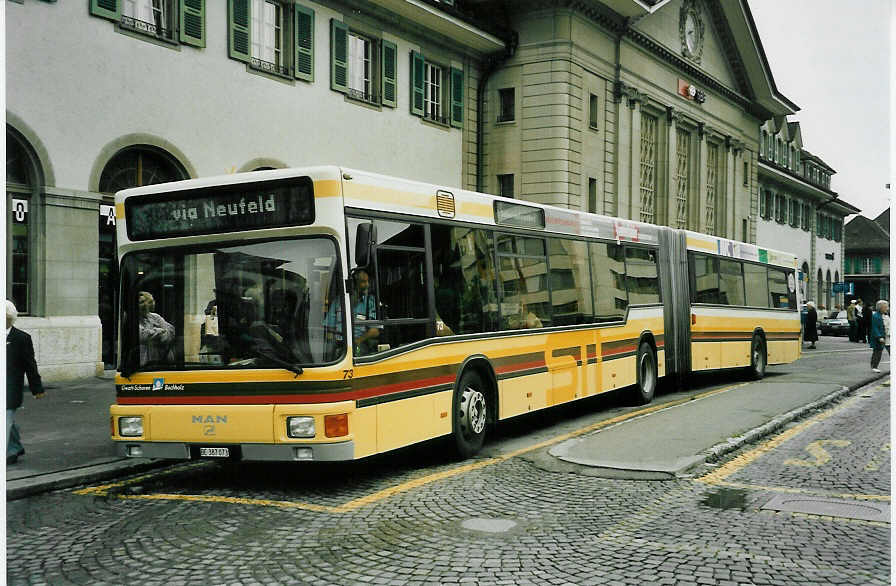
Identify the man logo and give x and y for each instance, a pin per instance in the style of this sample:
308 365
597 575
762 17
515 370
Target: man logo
158 384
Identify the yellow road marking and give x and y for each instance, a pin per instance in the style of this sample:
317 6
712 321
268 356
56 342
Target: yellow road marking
393 490
718 476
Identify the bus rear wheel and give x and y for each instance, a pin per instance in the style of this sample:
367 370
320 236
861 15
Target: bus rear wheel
758 358
470 414
647 374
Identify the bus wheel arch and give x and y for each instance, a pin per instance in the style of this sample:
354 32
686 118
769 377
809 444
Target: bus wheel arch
758 355
646 370
474 405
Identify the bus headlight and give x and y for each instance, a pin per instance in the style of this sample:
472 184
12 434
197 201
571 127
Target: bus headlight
130 426
300 426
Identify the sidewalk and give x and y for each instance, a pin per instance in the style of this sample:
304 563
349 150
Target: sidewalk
703 430
66 434
66 439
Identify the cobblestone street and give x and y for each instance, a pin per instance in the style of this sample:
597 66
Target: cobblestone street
410 518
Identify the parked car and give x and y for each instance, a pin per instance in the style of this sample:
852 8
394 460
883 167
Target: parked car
835 324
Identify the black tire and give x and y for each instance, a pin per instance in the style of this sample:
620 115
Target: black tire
758 358
646 375
470 407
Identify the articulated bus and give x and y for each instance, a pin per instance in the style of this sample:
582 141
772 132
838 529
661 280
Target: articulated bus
327 313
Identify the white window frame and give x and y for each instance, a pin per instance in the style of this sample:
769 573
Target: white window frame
433 88
267 32
360 66
154 13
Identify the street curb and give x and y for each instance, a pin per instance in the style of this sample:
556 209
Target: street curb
716 452
25 487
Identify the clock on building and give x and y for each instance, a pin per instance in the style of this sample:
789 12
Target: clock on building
691 30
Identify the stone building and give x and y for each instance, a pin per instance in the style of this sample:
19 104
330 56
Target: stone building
642 109
867 251
799 212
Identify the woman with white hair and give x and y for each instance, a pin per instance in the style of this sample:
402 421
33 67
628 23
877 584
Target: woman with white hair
877 336
19 363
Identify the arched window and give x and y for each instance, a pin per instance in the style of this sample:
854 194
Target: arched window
138 166
838 297
827 291
21 190
819 292
804 281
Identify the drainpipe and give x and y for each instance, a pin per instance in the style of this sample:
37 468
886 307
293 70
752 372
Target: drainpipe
493 62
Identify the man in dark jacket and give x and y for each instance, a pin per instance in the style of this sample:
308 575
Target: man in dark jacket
19 362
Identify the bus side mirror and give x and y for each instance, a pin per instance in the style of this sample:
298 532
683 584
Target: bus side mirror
365 238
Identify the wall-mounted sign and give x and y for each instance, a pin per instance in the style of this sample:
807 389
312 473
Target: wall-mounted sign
829 255
107 215
19 209
691 92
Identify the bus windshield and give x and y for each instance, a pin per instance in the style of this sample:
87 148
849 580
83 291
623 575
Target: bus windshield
271 304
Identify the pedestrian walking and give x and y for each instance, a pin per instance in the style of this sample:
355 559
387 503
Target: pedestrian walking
853 325
811 332
860 322
887 329
19 363
867 313
877 333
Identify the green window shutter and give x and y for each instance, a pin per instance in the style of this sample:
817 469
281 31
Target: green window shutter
110 9
417 83
192 22
239 20
304 43
457 97
338 56
877 264
390 74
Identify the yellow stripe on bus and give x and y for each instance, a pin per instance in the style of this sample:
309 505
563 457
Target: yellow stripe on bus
327 188
702 244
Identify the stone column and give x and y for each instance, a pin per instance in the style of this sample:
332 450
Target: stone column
634 209
700 200
623 149
67 336
673 117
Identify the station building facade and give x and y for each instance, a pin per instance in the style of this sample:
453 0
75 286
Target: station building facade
642 109
799 212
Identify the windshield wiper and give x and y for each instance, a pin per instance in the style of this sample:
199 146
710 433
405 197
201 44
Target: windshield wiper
285 364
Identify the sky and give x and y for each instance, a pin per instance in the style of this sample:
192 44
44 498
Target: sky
831 58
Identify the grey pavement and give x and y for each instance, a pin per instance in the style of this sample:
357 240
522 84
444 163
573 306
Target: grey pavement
66 434
695 432
66 439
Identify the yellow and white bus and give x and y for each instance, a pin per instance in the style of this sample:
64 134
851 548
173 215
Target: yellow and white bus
327 313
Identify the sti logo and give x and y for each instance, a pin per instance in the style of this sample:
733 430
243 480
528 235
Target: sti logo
158 384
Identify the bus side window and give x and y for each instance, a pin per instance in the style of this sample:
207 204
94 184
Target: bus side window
705 279
756 283
464 279
608 281
570 282
642 280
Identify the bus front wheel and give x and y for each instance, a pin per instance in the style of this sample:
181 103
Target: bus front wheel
647 374
758 358
470 414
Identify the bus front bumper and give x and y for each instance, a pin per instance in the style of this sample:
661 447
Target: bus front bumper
317 452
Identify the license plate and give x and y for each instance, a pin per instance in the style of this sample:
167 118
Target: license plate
214 452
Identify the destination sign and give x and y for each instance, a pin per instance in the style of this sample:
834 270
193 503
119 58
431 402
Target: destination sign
222 208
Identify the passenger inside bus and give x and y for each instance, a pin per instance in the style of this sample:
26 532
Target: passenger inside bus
363 309
156 334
